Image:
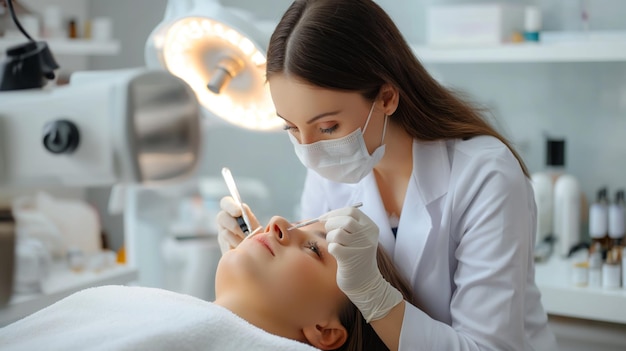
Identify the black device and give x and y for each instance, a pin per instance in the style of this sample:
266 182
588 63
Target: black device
27 66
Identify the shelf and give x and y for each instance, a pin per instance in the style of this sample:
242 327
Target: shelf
561 298
69 46
62 283
610 51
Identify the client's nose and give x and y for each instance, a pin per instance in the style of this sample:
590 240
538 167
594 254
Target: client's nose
278 227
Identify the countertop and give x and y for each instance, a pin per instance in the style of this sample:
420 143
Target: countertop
561 297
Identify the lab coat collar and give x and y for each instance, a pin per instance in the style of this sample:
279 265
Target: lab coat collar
431 168
367 193
429 180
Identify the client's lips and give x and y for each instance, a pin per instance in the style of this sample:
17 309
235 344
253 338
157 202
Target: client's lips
263 240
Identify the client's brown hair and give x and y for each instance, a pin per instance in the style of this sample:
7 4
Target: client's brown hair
361 335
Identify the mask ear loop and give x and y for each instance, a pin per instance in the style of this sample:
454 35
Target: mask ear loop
369 116
382 140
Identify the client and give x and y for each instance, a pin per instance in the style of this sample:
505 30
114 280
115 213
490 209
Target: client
276 291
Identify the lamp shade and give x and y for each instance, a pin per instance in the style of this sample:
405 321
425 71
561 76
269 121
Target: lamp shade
220 53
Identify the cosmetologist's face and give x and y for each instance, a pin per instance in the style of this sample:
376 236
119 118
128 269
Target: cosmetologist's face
312 113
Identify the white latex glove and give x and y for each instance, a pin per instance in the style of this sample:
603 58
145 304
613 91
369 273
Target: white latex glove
353 240
229 234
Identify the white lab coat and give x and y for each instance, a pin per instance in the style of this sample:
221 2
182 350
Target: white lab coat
465 242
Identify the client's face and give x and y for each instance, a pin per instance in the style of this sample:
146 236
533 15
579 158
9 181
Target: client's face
289 275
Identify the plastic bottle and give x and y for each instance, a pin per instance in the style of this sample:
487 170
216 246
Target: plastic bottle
617 223
566 213
559 201
555 158
617 229
595 265
599 223
532 23
611 270
543 187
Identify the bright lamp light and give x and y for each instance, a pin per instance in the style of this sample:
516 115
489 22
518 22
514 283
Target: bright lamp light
220 53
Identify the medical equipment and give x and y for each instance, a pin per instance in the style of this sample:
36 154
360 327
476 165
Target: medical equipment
243 221
103 128
220 53
140 125
26 66
315 220
143 125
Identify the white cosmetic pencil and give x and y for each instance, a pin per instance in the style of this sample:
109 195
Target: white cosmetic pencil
243 221
315 220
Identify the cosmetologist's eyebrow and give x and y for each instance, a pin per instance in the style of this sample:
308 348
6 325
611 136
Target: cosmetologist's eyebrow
325 114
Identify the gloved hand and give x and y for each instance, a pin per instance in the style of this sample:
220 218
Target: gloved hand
353 240
229 234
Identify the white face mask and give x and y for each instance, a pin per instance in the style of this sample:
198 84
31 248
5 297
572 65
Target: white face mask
343 160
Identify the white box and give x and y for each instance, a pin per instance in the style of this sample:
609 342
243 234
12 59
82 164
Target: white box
473 24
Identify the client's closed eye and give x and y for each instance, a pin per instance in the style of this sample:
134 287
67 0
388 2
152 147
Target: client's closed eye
313 246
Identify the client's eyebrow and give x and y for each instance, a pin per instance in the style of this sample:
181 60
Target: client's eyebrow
321 234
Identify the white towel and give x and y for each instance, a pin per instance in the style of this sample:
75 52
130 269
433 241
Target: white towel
137 318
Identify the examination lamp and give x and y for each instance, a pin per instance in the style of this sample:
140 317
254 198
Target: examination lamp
220 53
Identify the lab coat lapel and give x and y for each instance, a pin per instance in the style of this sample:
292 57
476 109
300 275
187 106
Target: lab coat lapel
429 182
369 195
